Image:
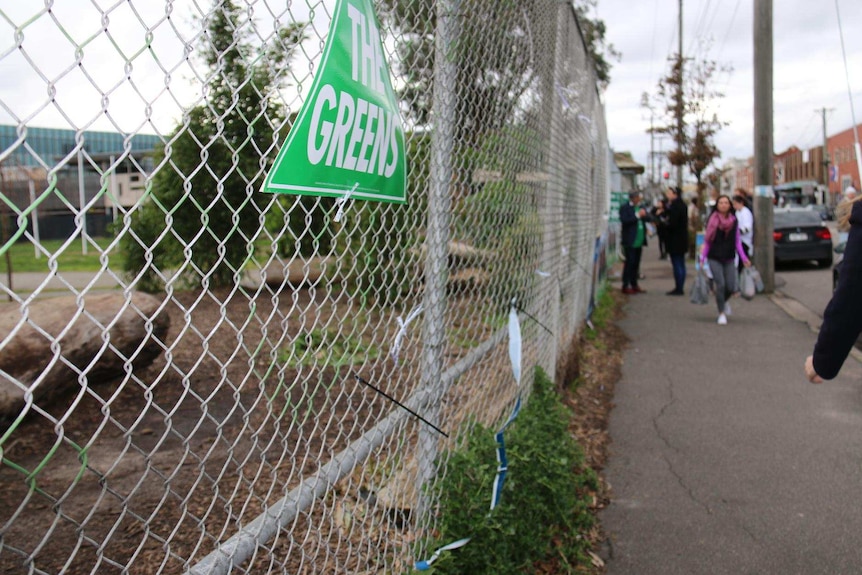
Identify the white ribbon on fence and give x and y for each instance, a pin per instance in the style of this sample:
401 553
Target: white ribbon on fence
502 460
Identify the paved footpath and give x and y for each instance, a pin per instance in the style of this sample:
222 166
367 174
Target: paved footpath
723 458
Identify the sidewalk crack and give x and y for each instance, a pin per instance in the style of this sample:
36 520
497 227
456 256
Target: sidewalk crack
666 441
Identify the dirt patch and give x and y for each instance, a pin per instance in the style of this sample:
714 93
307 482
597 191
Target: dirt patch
140 474
590 378
148 473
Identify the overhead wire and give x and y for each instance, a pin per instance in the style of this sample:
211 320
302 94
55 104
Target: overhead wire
729 75
729 29
694 39
807 135
857 148
654 37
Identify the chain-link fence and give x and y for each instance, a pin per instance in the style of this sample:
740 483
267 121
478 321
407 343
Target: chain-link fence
201 377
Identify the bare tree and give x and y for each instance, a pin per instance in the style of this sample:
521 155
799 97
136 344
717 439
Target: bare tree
694 106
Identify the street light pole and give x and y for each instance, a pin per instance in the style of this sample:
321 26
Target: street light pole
681 110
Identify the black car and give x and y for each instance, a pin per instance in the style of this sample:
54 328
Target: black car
826 212
800 235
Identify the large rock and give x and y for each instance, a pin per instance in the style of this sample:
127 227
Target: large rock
98 339
297 272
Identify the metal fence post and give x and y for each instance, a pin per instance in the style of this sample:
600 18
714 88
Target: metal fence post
437 237
82 201
550 205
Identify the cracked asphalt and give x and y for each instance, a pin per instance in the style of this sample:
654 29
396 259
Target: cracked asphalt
723 458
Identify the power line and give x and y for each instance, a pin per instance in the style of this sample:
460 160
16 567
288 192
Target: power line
805 131
654 36
698 33
714 14
729 29
856 147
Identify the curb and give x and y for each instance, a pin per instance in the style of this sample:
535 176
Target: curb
801 313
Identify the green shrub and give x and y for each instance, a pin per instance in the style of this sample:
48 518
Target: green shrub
544 507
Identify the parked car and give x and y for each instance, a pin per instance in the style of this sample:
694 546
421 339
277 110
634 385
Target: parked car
800 235
826 212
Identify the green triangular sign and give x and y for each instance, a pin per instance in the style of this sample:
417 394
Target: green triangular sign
348 139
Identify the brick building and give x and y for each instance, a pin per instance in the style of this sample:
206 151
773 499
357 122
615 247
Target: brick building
794 165
844 170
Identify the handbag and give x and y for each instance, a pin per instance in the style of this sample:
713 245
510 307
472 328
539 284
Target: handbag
700 289
747 286
758 281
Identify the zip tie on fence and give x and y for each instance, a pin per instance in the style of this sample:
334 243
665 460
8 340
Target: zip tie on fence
341 202
399 404
402 331
502 460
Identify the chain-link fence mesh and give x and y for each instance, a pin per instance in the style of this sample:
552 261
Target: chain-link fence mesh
201 377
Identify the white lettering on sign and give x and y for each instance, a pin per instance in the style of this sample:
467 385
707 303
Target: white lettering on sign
315 154
368 63
344 129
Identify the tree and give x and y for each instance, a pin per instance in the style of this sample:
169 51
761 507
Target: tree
203 209
599 49
691 107
494 55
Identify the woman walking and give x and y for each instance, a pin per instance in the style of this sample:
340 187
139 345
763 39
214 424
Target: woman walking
720 247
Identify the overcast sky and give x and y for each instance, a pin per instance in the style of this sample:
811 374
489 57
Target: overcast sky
808 69
62 70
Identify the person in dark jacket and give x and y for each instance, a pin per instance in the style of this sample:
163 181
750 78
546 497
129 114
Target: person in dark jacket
676 220
633 239
661 230
842 319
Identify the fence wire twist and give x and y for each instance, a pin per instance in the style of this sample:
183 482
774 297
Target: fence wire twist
187 367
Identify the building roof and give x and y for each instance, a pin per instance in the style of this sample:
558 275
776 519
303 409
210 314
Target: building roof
626 163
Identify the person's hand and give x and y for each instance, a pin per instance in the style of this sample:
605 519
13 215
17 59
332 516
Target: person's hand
641 212
747 263
809 370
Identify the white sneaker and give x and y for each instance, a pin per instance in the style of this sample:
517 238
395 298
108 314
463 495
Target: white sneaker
722 319
727 309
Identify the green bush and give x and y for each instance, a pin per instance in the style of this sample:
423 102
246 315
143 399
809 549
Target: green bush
544 507
200 216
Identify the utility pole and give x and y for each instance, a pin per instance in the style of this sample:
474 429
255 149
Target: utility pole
651 150
763 153
679 93
826 156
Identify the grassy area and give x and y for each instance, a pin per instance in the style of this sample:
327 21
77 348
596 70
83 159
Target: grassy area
543 516
71 258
